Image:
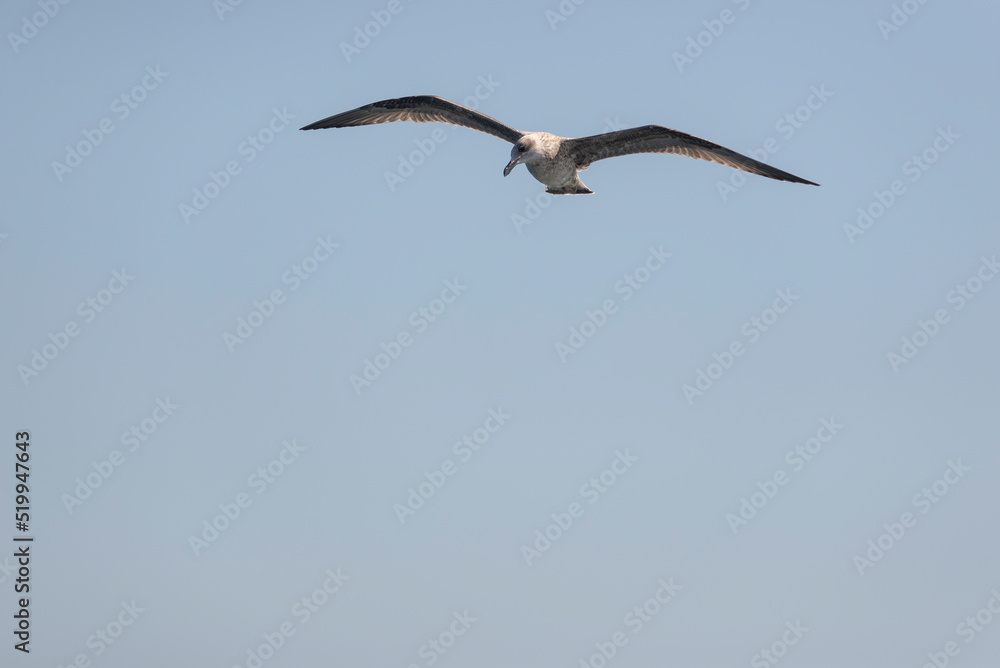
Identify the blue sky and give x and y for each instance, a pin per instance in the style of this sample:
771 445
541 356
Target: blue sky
303 399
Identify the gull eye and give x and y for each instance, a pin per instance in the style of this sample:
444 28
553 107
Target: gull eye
521 148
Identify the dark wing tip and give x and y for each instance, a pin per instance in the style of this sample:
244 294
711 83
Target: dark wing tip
342 120
363 114
785 176
328 122
319 125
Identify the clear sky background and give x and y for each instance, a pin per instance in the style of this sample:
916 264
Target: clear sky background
151 408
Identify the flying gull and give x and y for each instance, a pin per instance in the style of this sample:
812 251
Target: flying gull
552 160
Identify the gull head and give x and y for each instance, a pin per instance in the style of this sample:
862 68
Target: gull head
527 149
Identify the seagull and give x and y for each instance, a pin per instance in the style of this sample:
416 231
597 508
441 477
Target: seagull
554 161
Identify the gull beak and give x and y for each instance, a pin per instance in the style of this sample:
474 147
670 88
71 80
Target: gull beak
511 165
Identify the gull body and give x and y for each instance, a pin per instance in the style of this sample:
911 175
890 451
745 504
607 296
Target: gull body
553 160
540 153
